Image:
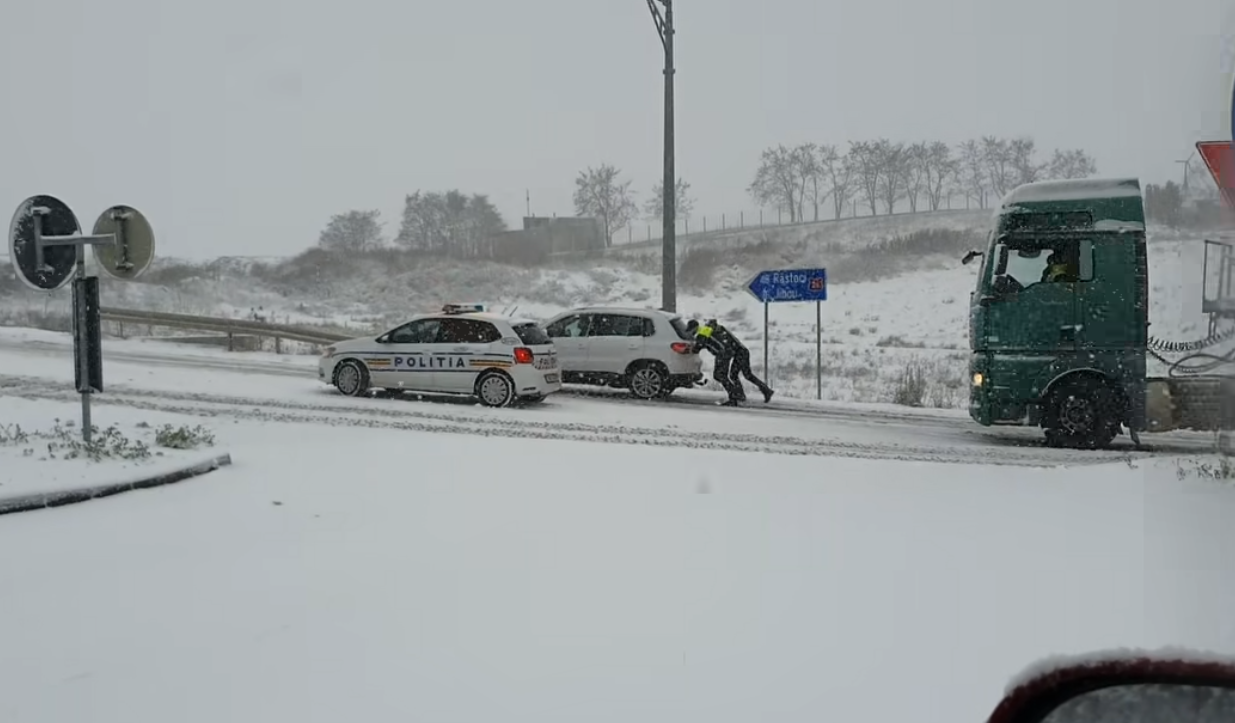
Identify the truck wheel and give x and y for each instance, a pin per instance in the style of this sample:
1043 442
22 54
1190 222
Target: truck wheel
1082 414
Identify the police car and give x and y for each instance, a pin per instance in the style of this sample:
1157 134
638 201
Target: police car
462 350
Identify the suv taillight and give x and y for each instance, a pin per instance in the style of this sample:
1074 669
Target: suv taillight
523 355
681 347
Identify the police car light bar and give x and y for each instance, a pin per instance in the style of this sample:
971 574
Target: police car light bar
463 308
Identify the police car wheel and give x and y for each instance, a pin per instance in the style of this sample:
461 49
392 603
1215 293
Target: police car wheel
351 379
647 381
495 390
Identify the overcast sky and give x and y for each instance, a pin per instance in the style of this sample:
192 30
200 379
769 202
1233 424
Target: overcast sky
240 127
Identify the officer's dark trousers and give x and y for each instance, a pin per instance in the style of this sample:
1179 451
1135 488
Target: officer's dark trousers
741 365
723 372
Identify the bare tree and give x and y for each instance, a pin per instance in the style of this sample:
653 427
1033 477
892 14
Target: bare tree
1071 164
353 231
600 193
892 159
868 168
838 170
813 176
971 173
997 156
683 203
1023 159
913 173
938 170
781 179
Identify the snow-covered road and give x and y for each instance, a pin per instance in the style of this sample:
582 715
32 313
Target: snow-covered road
345 567
207 383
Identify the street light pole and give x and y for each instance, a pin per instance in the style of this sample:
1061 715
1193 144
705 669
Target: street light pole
664 27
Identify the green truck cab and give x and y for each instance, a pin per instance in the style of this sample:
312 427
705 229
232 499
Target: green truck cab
1059 320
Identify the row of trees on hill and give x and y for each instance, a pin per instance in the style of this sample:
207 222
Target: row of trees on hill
881 175
454 223
877 175
450 223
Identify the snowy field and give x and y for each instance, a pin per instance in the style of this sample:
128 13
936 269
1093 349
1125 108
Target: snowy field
589 560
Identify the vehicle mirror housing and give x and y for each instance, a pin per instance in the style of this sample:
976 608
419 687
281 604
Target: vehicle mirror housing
1168 685
973 254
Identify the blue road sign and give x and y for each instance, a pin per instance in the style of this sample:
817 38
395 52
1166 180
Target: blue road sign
789 285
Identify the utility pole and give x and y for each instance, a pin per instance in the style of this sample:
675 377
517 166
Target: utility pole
669 267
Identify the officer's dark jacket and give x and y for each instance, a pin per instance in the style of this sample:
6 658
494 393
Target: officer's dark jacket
716 339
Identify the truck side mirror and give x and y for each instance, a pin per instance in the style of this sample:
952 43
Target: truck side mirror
970 257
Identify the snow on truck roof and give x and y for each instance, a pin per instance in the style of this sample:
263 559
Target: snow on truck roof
1072 190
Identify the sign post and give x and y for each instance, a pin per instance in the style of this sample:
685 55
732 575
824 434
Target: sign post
46 245
784 285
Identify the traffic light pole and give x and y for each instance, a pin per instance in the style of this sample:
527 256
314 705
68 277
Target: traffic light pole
664 27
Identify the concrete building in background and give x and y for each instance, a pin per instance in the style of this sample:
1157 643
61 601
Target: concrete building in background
545 236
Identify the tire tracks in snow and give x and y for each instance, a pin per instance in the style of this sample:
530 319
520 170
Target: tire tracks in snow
519 424
190 361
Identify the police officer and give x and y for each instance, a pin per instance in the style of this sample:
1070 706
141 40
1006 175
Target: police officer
732 360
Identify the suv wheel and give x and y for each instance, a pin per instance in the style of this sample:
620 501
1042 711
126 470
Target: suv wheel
648 381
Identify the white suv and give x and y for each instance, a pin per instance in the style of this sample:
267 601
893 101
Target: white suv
646 350
493 358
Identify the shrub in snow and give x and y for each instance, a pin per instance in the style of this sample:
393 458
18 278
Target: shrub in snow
911 386
183 437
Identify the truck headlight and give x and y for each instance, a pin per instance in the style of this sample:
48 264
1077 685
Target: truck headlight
977 379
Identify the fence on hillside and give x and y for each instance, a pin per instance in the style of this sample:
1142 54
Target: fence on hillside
646 231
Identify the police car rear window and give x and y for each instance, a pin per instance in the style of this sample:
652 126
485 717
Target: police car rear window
680 327
531 334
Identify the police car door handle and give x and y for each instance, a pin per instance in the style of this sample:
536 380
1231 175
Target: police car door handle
460 348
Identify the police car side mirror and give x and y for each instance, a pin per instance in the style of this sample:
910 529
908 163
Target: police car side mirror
383 339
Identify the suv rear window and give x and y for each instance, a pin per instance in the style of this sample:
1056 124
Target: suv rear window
680 327
531 334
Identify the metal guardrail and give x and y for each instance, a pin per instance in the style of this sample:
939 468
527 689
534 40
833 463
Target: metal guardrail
226 326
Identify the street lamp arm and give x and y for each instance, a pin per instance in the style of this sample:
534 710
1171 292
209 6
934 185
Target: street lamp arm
660 23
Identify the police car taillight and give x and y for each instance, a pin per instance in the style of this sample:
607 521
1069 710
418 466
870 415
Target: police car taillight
523 355
681 347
